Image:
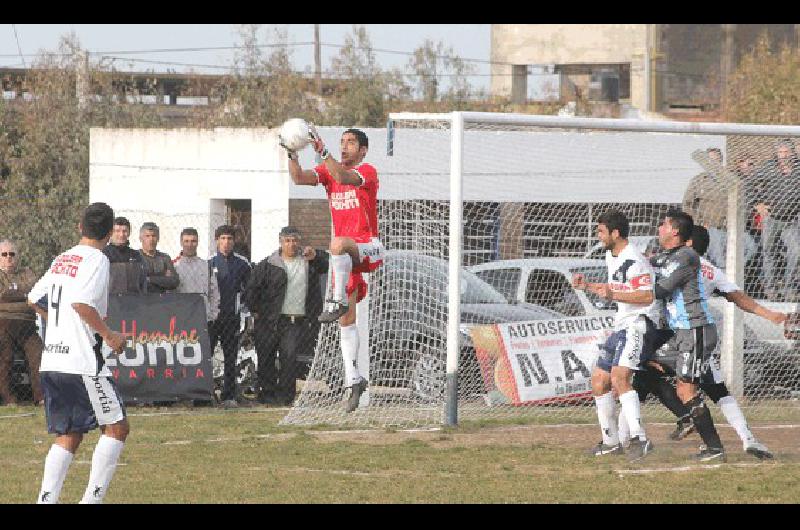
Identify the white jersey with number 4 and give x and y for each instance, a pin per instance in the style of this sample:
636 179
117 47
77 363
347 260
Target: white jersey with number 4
716 280
79 275
627 272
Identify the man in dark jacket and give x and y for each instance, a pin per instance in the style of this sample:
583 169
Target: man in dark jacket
232 272
285 297
161 274
127 265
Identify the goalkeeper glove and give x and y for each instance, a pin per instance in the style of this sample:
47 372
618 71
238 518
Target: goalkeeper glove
292 154
316 140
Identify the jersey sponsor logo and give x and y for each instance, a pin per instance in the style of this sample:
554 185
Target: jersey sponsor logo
621 274
344 200
57 348
102 397
708 272
641 281
371 252
66 264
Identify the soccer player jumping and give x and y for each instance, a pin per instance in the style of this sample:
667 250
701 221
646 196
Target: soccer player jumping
352 188
78 389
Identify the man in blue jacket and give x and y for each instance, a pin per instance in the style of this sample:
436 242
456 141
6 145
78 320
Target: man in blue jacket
232 272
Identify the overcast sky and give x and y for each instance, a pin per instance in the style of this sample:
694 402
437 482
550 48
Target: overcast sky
470 41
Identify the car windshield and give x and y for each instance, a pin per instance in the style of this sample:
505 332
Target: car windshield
476 291
432 272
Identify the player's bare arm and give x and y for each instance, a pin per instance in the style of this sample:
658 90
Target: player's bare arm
115 340
746 303
300 176
604 290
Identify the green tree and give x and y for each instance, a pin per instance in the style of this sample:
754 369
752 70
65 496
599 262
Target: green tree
765 87
263 90
44 149
433 63
360 99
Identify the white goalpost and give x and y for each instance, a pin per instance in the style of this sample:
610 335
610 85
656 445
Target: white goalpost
472 317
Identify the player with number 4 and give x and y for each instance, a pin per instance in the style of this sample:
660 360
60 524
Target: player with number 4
79 392
352 188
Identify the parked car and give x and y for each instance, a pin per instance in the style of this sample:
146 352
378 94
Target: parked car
772 363
409 323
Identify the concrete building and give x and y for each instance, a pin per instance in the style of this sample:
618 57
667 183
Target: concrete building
662 68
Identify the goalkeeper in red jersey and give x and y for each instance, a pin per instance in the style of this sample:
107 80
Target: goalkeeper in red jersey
352 188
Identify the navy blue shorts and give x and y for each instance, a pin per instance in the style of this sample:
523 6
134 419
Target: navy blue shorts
79 403
626 347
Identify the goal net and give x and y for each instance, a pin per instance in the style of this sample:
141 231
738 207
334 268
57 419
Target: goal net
532 188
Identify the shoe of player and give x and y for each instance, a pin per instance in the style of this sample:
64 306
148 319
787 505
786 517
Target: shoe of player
758 450
355 394
605 449
335 310
683 429
639 448
708 454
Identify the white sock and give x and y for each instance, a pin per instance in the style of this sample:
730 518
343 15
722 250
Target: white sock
735 418
104 463
606 408
349 343
342 265
55 471
632 410
623 430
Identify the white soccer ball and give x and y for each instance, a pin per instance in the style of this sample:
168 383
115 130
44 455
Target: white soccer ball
295 134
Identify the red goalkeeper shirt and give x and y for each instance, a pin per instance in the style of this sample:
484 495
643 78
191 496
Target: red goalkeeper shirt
354 209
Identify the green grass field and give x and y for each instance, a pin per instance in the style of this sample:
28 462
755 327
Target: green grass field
209 455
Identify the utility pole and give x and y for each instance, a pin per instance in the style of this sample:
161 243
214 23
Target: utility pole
82 80
727 60
317 60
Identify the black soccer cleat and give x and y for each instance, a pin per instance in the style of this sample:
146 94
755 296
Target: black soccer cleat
708 454
336 310
639 448
602 449
684 428
759 451
355 395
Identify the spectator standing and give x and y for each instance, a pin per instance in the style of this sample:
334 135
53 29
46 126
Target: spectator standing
285 297
17 322
161 274
232 273
706 200
780 217
195 274
127 265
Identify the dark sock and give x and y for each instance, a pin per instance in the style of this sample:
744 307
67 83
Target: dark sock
668 397
701 417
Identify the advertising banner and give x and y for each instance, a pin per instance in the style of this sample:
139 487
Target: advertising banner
168 355
541 361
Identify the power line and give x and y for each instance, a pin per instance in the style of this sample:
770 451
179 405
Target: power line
19 49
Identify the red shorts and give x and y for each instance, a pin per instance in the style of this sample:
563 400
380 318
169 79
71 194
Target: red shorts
356 285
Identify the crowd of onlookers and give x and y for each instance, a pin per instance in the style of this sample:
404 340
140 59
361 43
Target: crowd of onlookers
770 198
282 293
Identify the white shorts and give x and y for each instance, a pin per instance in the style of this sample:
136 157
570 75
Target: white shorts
624 347
371 254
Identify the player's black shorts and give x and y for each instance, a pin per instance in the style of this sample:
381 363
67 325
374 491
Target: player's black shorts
76 403
697 358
